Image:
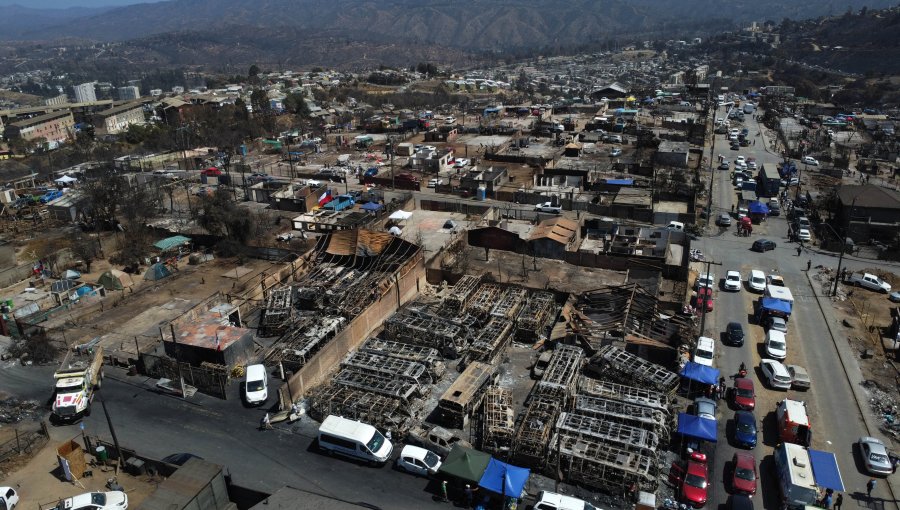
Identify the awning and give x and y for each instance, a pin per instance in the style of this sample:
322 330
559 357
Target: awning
400 214
697 427
504 479
371 206
465 463
776 305
171 242
757 207
65 179
825 470
620 182
700 373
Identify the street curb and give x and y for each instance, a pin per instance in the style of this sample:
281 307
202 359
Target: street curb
843 351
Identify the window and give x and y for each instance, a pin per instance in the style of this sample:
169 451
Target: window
337 441
376 442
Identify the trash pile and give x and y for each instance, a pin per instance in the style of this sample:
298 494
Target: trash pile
13 410
885 405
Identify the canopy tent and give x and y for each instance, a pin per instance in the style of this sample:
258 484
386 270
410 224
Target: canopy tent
775 305
372 206
757 207
697 427
504 479
171 243
465 463
825 470
400 214
700 373
71 274
65 180
157 271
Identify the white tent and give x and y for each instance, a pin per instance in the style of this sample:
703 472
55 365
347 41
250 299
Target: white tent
395 231
66 180
400 214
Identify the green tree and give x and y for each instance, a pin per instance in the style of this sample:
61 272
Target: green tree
296 103
84 247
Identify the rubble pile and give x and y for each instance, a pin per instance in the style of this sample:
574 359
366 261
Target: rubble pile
885 405
14 410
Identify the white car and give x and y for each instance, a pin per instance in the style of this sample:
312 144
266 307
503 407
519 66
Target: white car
776 374
113 500
706 280
776 344
803 234
450 120
809 160
615 152
757 281
553 501
740 160
435 182
548 207
705 351
9 498
418 461
733 281
461 162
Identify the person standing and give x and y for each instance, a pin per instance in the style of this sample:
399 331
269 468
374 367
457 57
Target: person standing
839 501
444 491
799 250
870 486
808 264
469 496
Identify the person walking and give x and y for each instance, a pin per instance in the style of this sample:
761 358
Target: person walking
838 501
444 491
870 486
808 264
265 423
799 250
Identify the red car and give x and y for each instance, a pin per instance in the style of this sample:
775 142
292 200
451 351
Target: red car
743 394
691 479
211 172
703 294
743 474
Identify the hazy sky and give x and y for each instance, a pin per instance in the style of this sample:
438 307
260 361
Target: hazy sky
62 4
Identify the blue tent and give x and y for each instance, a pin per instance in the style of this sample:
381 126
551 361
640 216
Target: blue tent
620 182
757 207
700 373
504 478
825 470
372 206
775 305
697 427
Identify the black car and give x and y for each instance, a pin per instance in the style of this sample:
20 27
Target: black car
763 245
734 334
735 146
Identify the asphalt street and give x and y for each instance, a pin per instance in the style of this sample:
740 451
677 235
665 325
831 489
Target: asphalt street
834 415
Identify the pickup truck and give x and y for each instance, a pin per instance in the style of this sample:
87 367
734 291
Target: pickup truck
340 203
548 207
78 376
869 281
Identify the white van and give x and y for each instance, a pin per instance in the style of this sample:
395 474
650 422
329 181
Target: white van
256 385
354 439
705 351
553 501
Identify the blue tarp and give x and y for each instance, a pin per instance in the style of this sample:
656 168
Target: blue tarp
620 182
372 206
825 470
757 207
700 373
697 427
775 304
504 478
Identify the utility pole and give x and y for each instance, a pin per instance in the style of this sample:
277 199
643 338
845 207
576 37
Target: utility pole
119 453
837 275
702 303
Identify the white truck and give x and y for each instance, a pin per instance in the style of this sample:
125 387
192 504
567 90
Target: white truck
869 281
77 378
782 293
795 476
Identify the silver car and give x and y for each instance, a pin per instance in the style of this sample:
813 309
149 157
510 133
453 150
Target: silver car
776 323
799 377
875 456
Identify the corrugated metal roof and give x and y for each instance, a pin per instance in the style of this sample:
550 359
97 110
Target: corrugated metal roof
177 491
559 229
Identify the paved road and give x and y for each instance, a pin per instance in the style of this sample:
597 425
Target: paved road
835 418
226 432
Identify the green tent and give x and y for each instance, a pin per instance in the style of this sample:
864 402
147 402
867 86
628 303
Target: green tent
110 281
171 243
465 463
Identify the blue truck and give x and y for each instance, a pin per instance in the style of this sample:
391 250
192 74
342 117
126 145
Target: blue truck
340 203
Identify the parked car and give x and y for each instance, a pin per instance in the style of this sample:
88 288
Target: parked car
763 245
9 498
743 473
803 234
809 160
547 500
734 334
743 395
775 323
50 196
418 461
776 374
211 172
548 207
776 344
875 456
705 280
757 281
703 295
705 351
436 439
894 297
799 377
432 183
732 281
724 166
705 408
723 220
690 479
869 281
461 162
615 152
113 500
745 430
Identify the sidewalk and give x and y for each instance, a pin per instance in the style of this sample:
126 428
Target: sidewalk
855 377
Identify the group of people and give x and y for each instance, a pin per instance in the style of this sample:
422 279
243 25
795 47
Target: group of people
717 391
